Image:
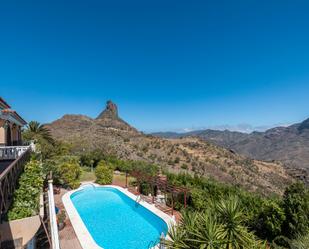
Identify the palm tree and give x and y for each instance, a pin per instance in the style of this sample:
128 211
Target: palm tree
38 132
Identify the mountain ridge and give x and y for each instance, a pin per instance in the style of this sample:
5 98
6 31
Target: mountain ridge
289 145
110 134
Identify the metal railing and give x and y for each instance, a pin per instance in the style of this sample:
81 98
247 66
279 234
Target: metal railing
12 152
9 180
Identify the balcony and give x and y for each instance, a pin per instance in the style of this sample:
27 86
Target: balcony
12 163
11 152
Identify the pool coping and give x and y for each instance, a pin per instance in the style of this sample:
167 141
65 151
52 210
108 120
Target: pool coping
82 233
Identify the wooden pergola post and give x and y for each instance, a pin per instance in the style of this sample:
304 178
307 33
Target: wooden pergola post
126 179
172 203
153 193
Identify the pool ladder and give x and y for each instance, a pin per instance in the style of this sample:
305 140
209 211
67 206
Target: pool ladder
159 243
138 200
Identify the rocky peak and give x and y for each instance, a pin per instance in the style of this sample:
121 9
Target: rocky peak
111 111
304 125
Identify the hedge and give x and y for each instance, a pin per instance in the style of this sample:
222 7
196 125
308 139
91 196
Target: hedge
26 201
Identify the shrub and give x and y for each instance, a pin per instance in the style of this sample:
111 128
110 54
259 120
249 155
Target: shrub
104 173
269 221
66 170
296 208
92 158
70 173
199 199
184 166
26 200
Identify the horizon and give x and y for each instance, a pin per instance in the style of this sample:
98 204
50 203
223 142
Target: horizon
169 66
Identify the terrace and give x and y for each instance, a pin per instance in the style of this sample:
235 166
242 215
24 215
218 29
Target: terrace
13 158
12 162
13 155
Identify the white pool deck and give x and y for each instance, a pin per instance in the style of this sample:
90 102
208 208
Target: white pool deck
82 233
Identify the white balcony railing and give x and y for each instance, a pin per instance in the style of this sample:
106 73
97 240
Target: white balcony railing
11 152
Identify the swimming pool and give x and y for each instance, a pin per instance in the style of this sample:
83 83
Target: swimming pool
112 218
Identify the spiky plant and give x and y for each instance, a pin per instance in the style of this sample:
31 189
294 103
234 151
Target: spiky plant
231 216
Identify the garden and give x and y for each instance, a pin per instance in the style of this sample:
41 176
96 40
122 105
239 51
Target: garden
218 215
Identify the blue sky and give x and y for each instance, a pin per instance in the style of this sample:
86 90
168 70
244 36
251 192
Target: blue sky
169 65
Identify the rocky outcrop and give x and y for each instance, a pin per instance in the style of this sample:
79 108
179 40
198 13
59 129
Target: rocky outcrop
110 112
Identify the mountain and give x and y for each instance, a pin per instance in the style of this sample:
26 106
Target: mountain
109 133
290 145
222 138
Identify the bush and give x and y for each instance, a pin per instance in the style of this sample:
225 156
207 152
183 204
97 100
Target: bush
296 208
269 221
104 173
66 171
91 159
70 173
184 166
26 200
200 199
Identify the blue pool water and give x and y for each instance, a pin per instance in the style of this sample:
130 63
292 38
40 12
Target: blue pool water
115 221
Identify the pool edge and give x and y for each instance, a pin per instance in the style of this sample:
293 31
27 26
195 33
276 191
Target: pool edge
82 233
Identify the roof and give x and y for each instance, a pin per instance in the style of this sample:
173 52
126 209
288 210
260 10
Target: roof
15 115
3 103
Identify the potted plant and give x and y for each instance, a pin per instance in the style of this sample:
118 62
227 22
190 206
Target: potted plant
61 220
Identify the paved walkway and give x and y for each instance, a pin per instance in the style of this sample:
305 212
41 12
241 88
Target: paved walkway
67 236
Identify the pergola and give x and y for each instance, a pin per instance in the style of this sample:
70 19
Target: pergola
160 182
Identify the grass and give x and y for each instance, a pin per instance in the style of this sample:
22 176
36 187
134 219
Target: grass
87 175
117 179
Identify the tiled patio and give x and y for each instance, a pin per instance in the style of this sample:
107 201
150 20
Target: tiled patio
67 236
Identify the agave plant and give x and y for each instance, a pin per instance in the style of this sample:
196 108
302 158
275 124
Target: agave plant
301 242
231 216
206 233
219 227
177 238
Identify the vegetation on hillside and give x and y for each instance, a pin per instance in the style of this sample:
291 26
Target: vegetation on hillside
113 136
274 219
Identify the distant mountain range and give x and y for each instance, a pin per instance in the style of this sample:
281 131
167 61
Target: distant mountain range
289 145
110 134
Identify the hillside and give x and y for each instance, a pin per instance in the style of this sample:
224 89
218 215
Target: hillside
112 135
287 144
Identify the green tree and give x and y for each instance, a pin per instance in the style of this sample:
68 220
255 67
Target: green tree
296 209
65 169
104 173
270 220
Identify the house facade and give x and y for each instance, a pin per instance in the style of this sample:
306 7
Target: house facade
11 124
